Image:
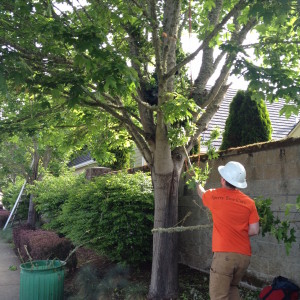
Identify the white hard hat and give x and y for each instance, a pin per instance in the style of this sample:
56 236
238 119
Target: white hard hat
234 173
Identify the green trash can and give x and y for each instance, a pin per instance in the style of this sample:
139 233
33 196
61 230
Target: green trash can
42 280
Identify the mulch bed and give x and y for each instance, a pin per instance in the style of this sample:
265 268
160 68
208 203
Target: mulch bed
97 278
137 280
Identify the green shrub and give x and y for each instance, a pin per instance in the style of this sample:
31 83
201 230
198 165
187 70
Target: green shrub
248 122
51 193
112 214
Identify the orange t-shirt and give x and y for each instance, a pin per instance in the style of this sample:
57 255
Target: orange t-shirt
232 212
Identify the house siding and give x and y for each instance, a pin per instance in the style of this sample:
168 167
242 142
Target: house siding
138 159
295 132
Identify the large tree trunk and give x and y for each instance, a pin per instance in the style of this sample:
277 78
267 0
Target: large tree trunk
164 277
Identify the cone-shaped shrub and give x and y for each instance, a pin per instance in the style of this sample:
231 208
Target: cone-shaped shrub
248 122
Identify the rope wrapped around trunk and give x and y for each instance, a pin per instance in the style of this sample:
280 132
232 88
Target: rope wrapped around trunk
181 228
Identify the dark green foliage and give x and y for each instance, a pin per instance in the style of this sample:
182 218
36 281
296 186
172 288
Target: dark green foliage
112 214
248 122
51 193
122 159
10 194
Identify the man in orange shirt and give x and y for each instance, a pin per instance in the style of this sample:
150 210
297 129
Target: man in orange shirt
235 219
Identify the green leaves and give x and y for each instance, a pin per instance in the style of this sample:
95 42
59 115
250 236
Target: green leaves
178 108
3 86
73 57
211 150
289 109
178 112
110 83
209 5
68 50
282 230
196 175
13 268
278 74
117 207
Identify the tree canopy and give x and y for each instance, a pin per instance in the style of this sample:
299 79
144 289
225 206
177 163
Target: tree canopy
119 65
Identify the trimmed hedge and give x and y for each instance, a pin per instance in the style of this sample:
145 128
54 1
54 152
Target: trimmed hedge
112 214
42 245
17 233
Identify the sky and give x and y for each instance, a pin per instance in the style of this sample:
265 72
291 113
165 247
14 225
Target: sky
190 44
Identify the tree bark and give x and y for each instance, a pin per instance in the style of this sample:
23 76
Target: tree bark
31 219
164 276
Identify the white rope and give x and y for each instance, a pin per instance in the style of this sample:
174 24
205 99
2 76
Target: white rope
180 228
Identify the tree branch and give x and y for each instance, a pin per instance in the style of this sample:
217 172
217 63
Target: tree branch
270 41
145 104
207 65
155 38
206 41
110 109
45 112
211 109
142 8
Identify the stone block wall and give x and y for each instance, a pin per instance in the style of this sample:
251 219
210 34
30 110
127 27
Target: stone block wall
273 171
95 172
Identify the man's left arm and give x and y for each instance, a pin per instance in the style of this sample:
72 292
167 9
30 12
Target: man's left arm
200 190
253 229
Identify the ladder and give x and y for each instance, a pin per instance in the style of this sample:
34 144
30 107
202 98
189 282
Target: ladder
13 212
